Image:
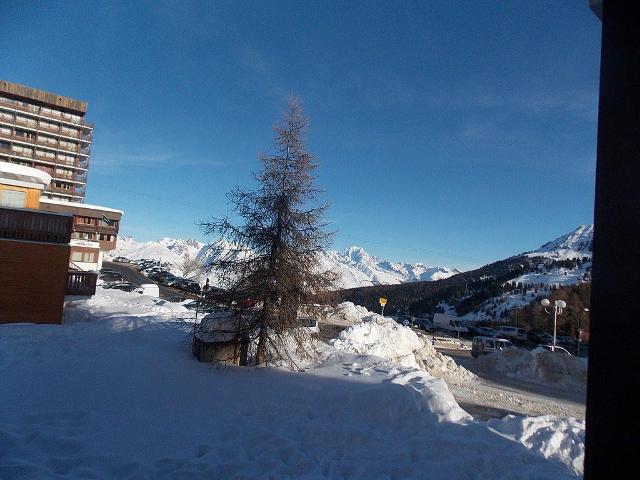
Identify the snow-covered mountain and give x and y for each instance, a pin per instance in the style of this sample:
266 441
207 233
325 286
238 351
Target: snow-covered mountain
356 268
170 250
359 269
575 244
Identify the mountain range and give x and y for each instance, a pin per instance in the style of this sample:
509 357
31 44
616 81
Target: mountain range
356 267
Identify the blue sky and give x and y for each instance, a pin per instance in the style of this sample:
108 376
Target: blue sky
449 132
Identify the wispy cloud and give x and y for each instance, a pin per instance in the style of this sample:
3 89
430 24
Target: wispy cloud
259 67
158 160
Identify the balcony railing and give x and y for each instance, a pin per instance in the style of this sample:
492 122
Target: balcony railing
35 226
34 109
47 128
81 283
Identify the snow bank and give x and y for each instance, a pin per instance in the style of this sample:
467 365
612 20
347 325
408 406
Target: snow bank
382 337
538 366
83 401
553 438
346 313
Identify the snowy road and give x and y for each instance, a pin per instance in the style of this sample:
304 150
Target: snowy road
492 396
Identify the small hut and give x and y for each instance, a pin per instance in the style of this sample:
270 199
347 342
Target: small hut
222 337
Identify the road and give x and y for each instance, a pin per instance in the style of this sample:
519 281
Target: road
134 276
493 396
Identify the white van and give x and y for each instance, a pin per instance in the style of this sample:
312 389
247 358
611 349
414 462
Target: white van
150 289
482 345
448 323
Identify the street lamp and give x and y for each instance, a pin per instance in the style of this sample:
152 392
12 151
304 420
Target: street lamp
579 332
558 305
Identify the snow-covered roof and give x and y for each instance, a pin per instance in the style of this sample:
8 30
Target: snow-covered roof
21 176
88 206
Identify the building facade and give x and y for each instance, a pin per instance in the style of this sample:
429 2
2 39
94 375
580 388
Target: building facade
48 132
95 231
34 249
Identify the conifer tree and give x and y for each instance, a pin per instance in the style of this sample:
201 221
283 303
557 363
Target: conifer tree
275 255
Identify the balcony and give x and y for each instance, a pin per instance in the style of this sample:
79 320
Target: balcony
35 226
47 128
34 109
62 190
81 283
97 229
27 122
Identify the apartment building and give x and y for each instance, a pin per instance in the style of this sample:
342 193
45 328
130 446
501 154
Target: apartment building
95 231
48 132
34 250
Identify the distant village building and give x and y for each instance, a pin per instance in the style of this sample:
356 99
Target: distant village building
46 131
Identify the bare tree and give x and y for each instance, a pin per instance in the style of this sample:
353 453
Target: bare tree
190 267
274 255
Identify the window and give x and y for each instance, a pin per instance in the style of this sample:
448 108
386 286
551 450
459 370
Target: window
88 257
25 134
82 235
13 198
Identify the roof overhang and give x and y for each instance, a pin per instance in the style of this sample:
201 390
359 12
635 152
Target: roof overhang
21 176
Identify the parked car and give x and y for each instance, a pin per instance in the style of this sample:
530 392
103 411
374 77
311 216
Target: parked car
310 324
121 260
112 277
557 349
539 337
124 286
119 285
566 341
512 333
448 323
482 345
166 278
483 331
150 289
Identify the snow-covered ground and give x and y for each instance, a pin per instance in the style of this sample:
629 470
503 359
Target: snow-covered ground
558 276
115 393
538 366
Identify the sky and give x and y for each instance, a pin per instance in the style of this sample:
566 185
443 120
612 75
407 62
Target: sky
453 133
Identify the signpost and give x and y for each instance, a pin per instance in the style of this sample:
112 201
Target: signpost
383 302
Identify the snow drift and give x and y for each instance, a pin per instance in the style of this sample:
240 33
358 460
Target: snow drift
538 366
116 393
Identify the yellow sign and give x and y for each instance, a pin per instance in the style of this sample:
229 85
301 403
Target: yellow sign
383 301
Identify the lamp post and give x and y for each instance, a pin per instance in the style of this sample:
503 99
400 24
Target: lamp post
558 305
579 331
